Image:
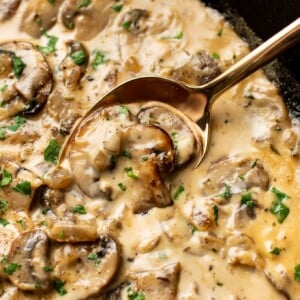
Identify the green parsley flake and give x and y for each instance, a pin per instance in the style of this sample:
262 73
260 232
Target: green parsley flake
247 199
84 3
193 229
216 214
18 66
38 285
122 186
48 269
126 25
22 224
3 88
4 260
78 57
275 251
124 110
3 205
297 273
58 285
4 222
178 192
174 139
52 2
215 55
130 173
132 295
177 36
220 32
23 188
117 8
278 208
11 268
99 59
127 154
94 257
144 158
2 134
18 123
51 153
51 45
227 192
6 178
79 209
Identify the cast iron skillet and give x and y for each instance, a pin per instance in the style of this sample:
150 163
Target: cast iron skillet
257 20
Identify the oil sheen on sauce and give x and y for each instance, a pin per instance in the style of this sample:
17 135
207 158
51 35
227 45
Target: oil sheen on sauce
230 230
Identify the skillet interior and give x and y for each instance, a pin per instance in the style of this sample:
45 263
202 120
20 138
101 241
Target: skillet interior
256 21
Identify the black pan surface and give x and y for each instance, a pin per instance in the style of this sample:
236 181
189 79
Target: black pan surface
256 21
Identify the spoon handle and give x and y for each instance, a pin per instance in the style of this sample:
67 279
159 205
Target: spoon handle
281 41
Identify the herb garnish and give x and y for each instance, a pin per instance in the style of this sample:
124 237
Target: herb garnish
52 2
279 209
126 25
178 36
51 45
59 287
3 88
216 214
99 59
22 223
51 153
275 251
227 192
6 178
84 3
48 269
18 66
78 57
3 205
79 209
178 192
11 268
215 55
23 188
4 222
18 123
122 186
127 154
130 173
247 199
117 8
94 257
132 295
123 110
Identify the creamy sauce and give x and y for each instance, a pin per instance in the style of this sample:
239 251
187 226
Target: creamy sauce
187 237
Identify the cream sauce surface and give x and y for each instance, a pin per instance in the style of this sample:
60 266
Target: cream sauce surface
225 248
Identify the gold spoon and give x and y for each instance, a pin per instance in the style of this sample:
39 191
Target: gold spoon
193 103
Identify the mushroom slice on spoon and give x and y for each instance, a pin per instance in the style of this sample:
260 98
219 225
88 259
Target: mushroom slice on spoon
26 259
27 77
87 268
183 138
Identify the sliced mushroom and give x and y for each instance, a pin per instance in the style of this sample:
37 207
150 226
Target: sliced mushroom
39 16
57 178
88 19
19 198
240 173
200 69
27 76
29 251
158 284
8 8
183 138
74 64
133 21
87 268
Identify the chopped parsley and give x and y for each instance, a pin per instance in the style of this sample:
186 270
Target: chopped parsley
78 57
3 88
11 268
51 153
127 154
3 205
48 269
275 251
84 3
144 158
117 8
193 229
254 164
247 199
126 25
123 110
61 234
122 186
18 66
216 213
52 2
23 188
227 192
22 224
94 257
18 123
99 59
58 285
130 173
4 222
51 45
6 178
4 260
178 192
215 55
38 285
278 208
220 32
174 139
297 273
79 209
177 36
132 295
2 134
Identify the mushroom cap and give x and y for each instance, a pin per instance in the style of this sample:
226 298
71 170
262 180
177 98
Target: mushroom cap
30 250
28 91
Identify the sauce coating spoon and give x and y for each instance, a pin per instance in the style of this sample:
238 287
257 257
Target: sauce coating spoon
193 103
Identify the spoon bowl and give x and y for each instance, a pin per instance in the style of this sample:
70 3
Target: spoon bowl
193 103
